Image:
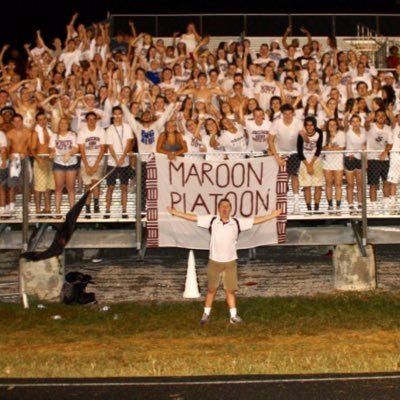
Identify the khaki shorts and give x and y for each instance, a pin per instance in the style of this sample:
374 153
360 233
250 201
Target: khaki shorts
226 270
316 179
87 179
43 177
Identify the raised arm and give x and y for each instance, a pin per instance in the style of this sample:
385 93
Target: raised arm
3 50
181 214
308 34
285 36
267 217
133 29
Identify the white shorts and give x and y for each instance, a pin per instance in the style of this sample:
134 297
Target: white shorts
316 179
394 169
87 179
333 162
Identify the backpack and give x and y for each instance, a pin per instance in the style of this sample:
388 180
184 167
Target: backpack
214 218
73 290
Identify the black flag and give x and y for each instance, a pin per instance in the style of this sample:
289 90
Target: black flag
62 236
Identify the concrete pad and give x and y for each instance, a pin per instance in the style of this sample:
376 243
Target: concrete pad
352 270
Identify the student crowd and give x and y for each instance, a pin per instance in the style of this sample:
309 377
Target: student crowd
87 104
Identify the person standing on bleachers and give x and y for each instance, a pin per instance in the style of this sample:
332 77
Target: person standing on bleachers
119 139
3 171
282 141
42 165
378 136
92 146
309 146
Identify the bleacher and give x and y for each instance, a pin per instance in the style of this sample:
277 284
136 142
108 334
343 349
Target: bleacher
34 231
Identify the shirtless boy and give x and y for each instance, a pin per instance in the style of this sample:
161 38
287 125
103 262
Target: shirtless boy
19 139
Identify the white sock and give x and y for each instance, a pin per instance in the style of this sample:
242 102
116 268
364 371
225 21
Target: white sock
233 312
207 310
1 210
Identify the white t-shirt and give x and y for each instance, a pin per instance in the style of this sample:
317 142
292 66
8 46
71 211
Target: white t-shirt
377 139
355 142
62 145
224 236
258 135
147 137
265 90
93 140
193 144
118 136
286 135
234 142
190 41
310 146
394 138
69 58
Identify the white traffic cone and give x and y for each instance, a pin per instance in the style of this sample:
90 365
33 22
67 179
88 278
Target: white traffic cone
191 286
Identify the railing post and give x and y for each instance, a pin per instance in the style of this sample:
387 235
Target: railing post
333 25
139 184
364 220
25 203
111 20
156 27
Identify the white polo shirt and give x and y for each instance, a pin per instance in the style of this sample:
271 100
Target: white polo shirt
224 236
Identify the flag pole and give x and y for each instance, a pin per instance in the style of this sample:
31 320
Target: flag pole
103 178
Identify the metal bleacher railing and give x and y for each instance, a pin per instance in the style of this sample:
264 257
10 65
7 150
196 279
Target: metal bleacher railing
27 229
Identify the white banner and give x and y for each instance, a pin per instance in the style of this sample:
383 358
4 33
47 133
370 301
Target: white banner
254 186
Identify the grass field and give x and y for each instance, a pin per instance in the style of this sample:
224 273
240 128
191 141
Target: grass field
342 333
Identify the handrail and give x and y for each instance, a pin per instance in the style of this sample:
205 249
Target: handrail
158 19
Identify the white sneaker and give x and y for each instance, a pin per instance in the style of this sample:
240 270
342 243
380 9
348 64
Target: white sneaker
373 209
386 205
296 208
11 208
236 320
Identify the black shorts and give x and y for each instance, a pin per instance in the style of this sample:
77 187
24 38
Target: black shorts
121 173
3 177
293 164
61 167
352 163
377 169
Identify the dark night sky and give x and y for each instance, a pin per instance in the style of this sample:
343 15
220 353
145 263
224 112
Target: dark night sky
20 19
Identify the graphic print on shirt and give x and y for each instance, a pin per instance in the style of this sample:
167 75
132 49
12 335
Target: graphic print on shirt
63 145
92 143
147 137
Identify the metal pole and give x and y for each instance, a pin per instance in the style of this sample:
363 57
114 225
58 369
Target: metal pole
139 184
377 25
333 25
364 220
25 203
112 24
